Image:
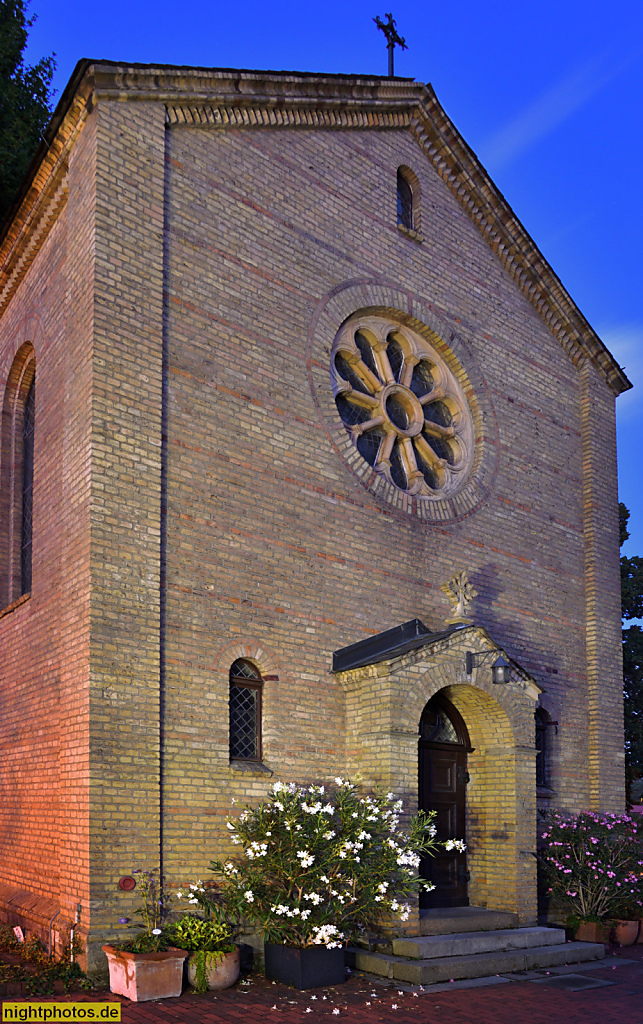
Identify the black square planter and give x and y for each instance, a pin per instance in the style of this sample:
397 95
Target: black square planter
312 967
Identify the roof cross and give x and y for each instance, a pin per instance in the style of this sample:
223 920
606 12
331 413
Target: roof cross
393 39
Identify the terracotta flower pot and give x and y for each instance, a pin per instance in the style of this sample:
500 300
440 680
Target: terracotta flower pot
590 931
141 976
625 933
222 974
640 938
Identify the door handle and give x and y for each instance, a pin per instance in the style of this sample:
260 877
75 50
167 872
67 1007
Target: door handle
463 777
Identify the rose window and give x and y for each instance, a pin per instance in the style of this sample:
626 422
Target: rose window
402 406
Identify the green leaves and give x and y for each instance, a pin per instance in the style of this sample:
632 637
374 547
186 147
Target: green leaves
632 608
36 968
194 933
25 100
319 865
593 862
632 587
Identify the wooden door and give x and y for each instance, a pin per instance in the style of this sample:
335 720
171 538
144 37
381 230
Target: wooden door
443 778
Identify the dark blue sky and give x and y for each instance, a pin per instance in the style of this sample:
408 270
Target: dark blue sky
548 94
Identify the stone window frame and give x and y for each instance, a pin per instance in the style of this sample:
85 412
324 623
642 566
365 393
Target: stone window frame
255 650
428 475
13 577
409 224
446 333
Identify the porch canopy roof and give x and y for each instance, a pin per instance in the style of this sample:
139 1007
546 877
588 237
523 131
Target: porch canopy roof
391 643
413 636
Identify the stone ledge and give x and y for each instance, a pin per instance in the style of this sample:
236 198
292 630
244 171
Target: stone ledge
411 233
253 767
32 912
14 604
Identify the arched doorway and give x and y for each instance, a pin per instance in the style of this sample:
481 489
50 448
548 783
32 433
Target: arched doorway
442 759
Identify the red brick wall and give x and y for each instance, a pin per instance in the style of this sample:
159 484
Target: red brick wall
44 662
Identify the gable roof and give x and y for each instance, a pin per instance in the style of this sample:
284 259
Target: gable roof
226 97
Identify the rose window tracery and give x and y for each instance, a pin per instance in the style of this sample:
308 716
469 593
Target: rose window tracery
402 406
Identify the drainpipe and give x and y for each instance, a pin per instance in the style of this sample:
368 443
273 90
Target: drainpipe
71 933
51 924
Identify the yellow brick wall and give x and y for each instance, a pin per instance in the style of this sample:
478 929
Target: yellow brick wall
222 512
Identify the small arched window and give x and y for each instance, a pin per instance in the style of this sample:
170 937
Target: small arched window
543 752
246 685
17 478
404 201
27 488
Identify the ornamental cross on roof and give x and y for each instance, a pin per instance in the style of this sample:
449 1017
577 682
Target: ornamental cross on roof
460 593
392 39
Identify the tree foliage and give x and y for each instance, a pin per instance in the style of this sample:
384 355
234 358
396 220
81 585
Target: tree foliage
632 608
25 99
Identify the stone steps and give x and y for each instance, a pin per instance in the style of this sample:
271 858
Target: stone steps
427 960
464 919
430 947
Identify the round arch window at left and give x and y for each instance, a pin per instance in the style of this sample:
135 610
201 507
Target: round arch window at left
17 465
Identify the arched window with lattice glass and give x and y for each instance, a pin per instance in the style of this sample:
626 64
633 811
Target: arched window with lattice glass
17 478
405 203
246 686
26 532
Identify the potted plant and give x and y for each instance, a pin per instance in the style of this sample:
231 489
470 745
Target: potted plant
319 867
626 920
593 863
625 931
214 961
148 966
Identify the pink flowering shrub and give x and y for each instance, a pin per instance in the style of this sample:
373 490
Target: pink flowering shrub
594 863
319 865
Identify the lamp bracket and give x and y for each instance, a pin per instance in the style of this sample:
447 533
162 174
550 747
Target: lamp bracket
480 658
500 668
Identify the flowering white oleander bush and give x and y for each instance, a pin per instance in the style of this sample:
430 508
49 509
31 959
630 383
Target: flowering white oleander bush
320 865
594 863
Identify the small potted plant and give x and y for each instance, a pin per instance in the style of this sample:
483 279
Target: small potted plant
214 960
593 863
320 866
148 966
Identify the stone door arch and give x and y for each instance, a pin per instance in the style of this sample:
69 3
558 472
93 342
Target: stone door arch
496 829
384 703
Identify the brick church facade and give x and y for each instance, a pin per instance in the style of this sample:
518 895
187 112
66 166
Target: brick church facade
277 362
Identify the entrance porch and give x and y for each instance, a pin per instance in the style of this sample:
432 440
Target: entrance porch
482 785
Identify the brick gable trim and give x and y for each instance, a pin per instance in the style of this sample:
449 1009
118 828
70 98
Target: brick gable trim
255 99
225 98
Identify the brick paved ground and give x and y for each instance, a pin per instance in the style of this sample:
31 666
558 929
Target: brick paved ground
517 1002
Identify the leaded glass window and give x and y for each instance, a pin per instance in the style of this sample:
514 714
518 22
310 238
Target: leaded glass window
404 202
437 727
27 488
245 712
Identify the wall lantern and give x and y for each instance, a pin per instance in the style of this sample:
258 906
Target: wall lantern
500 669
